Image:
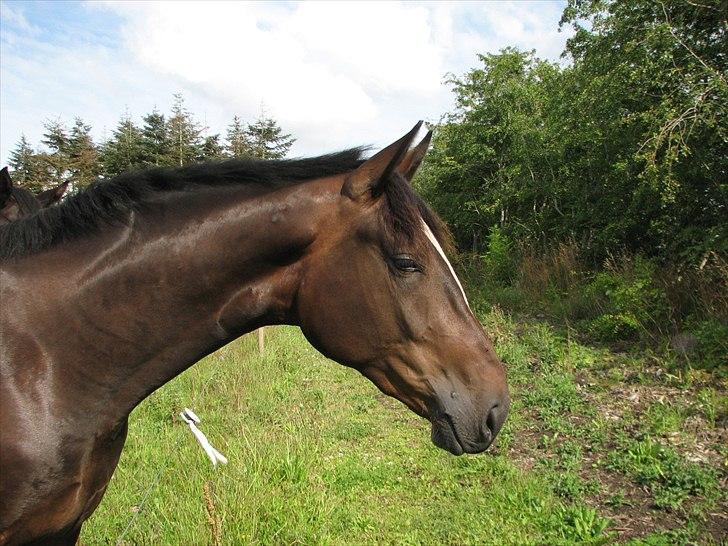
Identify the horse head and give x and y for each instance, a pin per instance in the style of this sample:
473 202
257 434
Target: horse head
17 202
379 294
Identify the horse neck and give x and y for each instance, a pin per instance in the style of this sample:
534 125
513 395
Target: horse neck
189 275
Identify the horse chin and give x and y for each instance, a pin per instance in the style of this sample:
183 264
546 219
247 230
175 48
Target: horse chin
444 435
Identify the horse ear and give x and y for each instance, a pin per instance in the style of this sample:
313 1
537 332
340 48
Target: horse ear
371 177
413 159
48 197
6 186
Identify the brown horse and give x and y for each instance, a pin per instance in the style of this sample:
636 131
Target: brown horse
123 286
16 202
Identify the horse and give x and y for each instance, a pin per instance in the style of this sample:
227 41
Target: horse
117 290
16 202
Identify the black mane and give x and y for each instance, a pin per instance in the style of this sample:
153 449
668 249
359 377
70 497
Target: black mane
26 201
108 201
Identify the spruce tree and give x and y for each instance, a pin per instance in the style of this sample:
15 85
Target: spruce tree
212 148
237 140
83 156
55 160
124 151
267 140
27 169
156 147
184 134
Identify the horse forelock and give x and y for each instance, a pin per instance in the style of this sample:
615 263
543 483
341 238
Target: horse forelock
402 216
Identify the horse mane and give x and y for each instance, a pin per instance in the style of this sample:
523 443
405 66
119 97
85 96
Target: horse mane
107 202
26 201
110 201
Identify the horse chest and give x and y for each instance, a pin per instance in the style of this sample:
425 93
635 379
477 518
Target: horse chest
53 494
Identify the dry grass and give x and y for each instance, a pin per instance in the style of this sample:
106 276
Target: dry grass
212 518
559 266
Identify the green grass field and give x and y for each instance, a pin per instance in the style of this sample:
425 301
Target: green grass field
600 448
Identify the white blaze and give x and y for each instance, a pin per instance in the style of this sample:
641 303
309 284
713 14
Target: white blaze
437 246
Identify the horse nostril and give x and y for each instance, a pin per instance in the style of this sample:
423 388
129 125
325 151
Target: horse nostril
491 421
496 417
494 420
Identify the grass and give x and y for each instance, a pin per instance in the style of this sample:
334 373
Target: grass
591 454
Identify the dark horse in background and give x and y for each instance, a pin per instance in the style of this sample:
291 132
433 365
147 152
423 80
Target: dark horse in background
123 286
16 202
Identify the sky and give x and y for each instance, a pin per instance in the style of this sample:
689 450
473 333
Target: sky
334 74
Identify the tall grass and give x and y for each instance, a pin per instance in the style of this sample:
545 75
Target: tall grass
628 298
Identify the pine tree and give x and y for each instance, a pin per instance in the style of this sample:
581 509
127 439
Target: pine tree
83 155
237 140
124 150
27 169
55 160
212 148
184 134
267 139
156 147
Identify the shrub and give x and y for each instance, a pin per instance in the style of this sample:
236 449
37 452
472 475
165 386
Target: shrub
499 259
629 299
712 343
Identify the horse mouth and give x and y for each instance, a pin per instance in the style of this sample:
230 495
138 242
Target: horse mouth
445 435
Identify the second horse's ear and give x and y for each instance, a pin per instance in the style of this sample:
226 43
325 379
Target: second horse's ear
413 158
48 197
372 176
6 186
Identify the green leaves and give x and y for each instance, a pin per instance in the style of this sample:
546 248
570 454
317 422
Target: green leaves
626 147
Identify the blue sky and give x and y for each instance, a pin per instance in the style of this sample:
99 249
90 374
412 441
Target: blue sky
333 74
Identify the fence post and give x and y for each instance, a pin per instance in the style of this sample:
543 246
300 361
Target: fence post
261 340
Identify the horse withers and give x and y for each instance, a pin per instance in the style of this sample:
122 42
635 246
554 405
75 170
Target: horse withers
124 285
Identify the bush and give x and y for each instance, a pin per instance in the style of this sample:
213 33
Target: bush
499 259
712 343
629 300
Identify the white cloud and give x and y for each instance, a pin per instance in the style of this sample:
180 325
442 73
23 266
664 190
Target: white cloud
333 74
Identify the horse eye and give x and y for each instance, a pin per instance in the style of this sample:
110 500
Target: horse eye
405 263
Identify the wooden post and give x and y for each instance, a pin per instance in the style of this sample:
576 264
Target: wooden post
261 340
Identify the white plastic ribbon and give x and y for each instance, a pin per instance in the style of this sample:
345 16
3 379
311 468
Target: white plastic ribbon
189 417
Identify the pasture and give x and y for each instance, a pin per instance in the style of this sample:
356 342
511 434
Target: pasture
600 448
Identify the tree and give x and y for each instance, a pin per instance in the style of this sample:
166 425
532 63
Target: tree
184 134
155 144
124 151
27 169
237 140
83 156
491 161
267 140
212 148
626 148
659 70
55 160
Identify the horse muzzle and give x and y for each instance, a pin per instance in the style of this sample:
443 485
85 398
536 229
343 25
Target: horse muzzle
456 432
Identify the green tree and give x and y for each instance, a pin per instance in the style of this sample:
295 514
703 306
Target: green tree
491 163
267 140
212 148
237 144
55 159
156 145
627 147
124 151
184 134
660 72
27 170
83 156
